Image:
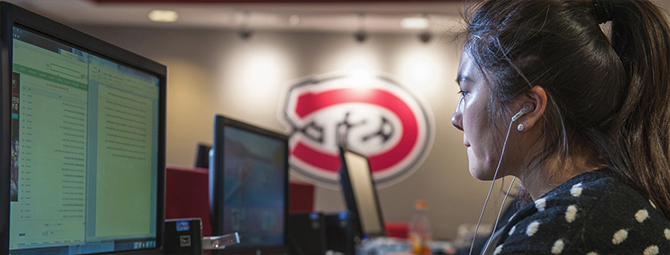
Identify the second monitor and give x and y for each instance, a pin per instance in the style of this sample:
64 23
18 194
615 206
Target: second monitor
249 187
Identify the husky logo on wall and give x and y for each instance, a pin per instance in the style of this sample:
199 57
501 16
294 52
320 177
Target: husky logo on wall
371 113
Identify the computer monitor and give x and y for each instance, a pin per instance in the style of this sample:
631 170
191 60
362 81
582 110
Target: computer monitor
249 187
202 156
360 194
82 142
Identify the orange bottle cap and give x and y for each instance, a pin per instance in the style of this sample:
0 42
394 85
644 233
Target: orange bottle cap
421 204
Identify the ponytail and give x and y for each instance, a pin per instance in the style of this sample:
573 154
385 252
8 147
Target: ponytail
641 37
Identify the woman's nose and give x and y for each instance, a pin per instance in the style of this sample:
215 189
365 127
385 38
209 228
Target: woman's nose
457 118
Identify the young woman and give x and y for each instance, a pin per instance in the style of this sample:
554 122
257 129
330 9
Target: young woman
592 143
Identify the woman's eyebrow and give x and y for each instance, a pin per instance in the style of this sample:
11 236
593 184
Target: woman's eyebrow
460 78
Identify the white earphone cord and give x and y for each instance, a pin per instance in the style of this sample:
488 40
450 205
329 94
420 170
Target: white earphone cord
489 195
498 218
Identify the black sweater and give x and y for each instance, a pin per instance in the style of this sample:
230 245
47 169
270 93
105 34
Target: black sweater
592 213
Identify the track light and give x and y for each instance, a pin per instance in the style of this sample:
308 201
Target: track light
244 32
361 34
425 36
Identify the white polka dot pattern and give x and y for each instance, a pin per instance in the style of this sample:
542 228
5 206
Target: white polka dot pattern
641 215
532 228
571 213
540 204
620 236
558 247
591 210
576 190
498 250
651 250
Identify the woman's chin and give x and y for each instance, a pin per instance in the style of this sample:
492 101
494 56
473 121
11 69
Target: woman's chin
481 175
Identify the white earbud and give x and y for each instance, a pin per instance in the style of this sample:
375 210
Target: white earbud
526 108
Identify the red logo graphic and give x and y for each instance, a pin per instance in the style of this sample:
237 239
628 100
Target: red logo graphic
369 113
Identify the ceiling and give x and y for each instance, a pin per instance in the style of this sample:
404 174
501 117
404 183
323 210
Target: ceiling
315 15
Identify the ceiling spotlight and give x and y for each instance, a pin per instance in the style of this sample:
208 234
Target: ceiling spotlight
414 23
360 36
425 36
244 33
163 16
294 20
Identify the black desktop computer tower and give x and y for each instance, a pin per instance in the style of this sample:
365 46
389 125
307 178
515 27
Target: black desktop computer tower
307 233
341 233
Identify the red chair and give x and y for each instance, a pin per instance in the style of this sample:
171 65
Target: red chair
301 197
187 195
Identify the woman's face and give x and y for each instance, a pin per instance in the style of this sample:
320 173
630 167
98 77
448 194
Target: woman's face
471 117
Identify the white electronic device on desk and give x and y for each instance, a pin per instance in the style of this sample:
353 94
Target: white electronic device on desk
184 237
219 242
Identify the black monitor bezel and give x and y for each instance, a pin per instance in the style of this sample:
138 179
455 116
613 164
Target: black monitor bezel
16 16
350 198
216 184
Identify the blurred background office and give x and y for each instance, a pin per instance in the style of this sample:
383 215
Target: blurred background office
238 58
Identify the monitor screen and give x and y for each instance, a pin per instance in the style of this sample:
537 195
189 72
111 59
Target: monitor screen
360 193
86 143
249 186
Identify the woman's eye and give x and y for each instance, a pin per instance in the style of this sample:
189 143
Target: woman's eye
462 93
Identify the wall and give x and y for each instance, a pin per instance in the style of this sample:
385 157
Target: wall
215 72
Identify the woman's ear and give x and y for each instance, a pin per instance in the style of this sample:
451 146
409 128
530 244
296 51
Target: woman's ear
538 97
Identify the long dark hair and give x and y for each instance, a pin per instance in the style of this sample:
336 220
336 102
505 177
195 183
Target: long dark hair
607 96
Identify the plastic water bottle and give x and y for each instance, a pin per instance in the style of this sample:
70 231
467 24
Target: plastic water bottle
419 232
